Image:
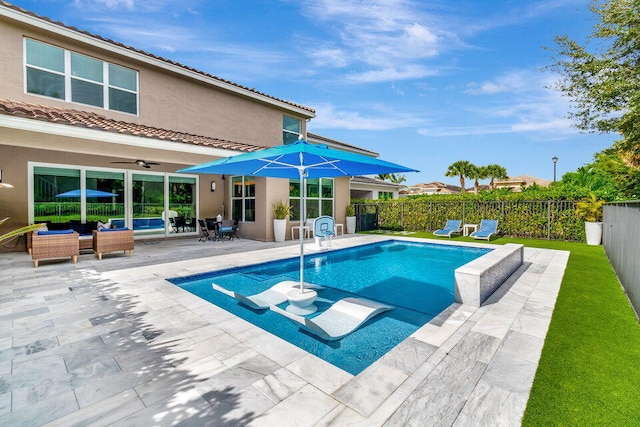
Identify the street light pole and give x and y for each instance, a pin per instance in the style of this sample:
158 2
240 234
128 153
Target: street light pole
554 159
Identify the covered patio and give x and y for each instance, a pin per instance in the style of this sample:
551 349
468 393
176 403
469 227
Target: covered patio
112 342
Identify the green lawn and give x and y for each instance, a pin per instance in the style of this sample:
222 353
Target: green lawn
589 372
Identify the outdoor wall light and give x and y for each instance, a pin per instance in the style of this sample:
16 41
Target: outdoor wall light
213 186
4 184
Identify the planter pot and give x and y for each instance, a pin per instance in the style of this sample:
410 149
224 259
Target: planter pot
351 224
593 230
279 229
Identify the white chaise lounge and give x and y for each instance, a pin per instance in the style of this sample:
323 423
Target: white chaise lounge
341 319
277 294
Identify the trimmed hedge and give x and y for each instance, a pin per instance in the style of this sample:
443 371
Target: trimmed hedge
538 219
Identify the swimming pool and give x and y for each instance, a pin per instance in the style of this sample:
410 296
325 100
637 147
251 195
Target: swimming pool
416 278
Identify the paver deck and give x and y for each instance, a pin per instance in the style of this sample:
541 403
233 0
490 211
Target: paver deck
112 342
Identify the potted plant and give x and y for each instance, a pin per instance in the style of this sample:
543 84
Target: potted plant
281 212
590 209
351 219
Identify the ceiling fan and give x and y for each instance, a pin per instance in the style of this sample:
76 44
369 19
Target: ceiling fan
141 163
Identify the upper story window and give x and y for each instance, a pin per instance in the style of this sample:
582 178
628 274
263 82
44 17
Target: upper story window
290 130
72 77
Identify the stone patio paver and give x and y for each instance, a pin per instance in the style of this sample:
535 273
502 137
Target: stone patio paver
112 342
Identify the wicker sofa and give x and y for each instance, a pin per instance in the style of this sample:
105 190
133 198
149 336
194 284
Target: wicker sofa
54 246
111 240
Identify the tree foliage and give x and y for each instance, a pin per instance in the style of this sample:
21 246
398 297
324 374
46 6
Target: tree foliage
608 176
601 78
461 169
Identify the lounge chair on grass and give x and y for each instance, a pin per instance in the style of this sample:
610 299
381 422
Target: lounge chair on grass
452 226
341 319
277 294
487 228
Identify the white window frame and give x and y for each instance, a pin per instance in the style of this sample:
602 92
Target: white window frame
296 200
244 197
106 85
128 197
297 134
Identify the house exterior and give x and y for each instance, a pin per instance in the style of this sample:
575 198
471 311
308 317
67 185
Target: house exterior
78 111
517 183
430 188
364 187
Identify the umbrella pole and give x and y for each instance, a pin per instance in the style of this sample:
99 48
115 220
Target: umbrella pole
303 219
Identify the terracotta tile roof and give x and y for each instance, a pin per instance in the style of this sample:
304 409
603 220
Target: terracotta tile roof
151 55
95 121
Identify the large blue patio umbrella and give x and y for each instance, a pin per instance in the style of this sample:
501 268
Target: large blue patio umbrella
298 160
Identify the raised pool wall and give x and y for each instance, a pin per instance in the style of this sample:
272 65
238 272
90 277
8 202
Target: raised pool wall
478 279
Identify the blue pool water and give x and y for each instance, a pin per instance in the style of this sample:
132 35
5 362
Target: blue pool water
416 278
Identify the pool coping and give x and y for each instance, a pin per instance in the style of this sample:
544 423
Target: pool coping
451 370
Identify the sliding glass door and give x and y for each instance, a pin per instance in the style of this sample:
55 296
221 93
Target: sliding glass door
150 203
147 202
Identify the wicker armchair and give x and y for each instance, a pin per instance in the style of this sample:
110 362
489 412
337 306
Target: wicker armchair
54 246
110 241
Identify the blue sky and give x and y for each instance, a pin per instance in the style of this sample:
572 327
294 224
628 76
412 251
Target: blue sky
423 83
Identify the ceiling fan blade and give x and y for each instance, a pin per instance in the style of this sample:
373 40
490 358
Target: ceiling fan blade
141 163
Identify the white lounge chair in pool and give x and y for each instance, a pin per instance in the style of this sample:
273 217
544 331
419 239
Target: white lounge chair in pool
341 319
277 294
452 226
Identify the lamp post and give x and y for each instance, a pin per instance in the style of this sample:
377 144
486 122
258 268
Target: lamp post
554 159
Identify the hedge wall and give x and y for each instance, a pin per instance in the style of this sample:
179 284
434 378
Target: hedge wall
539 219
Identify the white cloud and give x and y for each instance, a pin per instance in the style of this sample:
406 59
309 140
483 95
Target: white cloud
512 82
383 39
377 118
391 74
520 102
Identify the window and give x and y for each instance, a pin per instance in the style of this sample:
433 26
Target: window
318 197
73 77
290 130
385 195
243 198
131 199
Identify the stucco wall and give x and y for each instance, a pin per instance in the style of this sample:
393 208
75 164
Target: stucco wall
166 100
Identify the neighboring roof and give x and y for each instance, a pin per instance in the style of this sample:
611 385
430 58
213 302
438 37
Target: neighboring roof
156 57
523 180
333 143
480 188
95 121
438 186
372 181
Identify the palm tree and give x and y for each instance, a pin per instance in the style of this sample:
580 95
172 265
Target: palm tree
383 176
476 173
397 179
460 169
494 172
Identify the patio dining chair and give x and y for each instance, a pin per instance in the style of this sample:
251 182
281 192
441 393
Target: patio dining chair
226 230
206 232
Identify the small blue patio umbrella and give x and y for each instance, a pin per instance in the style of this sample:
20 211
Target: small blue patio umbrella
298 160
89 193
